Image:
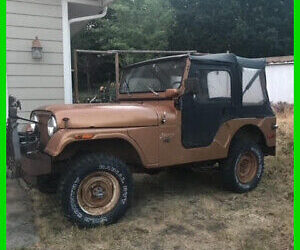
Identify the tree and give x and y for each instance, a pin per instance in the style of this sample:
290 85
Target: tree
254 28
129 24
251 28
246 27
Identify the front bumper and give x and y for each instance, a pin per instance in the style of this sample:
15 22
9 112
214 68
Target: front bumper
24 151
33 161
35 164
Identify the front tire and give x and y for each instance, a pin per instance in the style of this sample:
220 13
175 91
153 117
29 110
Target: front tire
243 169
96 190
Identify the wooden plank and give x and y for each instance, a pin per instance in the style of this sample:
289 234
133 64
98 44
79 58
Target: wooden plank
33 21
18 57
25 45
35 81
168 52
36 9
33 70
76 91
37 93
31 33
44 2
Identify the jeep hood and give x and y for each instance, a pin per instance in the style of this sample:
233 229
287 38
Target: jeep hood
112 115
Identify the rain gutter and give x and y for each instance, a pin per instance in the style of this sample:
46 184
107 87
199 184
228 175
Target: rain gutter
89 18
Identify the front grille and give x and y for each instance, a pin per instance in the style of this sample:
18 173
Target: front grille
29 141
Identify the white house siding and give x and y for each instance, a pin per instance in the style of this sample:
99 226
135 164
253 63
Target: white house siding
34 82
280 82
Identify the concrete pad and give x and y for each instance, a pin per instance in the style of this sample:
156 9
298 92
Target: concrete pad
20 229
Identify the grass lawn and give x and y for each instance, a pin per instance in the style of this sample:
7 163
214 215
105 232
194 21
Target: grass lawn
190 210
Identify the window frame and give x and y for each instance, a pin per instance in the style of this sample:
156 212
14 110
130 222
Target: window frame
261 77
230 96
149 63
216 67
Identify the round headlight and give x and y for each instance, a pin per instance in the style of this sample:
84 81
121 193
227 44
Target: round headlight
33 125
52 126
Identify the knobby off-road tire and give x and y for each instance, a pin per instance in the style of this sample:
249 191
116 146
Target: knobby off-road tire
243 169
97 190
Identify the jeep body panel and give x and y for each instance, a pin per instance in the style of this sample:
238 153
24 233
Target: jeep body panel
113 115
160 146
154 124
146 151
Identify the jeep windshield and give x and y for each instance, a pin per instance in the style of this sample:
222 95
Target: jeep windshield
152 77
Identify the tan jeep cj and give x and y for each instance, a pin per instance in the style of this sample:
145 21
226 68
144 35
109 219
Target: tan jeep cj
171 111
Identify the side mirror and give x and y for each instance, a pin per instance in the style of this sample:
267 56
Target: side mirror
171 93
191 85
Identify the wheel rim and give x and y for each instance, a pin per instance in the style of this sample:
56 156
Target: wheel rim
247 167
98 193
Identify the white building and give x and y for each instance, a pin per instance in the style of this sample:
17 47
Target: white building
280 79
47 80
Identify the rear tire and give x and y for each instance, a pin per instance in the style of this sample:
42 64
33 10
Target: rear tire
243 169
96 191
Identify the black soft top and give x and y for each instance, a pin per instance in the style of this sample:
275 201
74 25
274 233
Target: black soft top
257 63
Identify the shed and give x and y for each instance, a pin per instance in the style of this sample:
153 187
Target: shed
47 80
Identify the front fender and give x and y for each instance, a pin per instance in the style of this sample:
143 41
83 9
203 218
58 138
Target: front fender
64 137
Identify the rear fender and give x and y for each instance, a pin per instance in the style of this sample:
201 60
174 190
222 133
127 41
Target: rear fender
264 127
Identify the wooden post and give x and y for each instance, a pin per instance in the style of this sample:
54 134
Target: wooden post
76 97
117 69
88 78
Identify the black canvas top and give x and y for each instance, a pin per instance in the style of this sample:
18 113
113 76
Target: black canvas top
160 59
257 63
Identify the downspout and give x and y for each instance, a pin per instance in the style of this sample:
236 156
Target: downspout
68 96
89 18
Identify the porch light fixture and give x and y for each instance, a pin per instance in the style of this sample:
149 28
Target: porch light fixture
37 49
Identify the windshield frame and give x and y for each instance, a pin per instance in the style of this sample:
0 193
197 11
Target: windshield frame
180 58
